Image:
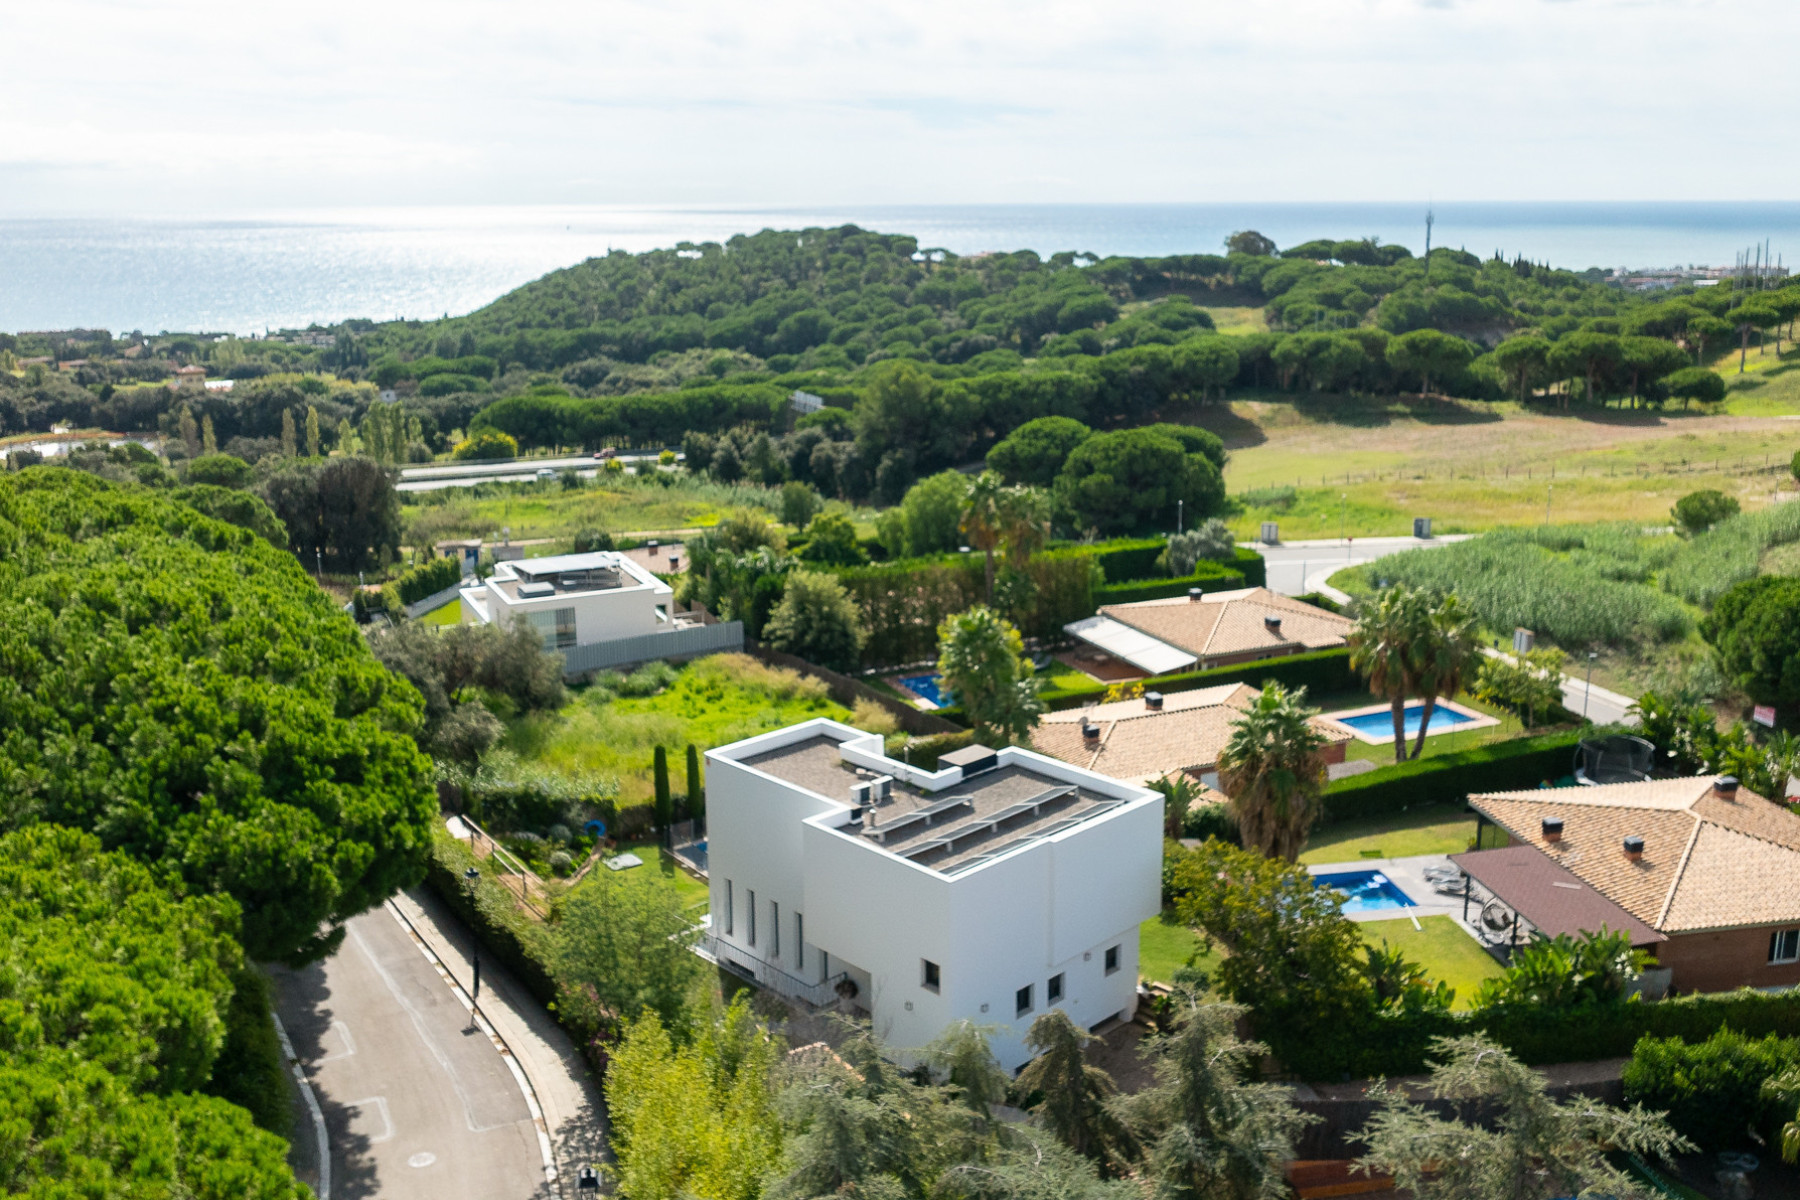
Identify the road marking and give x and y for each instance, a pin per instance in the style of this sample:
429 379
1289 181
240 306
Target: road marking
512 1061
343 1032
323 1191
387 1118
424 1033
423 1158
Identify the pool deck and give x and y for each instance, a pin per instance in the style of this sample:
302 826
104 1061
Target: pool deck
1477 720
1408 875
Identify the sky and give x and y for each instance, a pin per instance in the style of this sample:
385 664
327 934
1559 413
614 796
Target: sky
203 106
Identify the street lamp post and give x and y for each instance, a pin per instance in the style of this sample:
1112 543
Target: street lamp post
469 878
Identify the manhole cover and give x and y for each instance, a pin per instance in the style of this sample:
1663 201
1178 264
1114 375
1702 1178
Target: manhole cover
422 1159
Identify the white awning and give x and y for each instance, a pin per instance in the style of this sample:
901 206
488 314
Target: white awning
1122 641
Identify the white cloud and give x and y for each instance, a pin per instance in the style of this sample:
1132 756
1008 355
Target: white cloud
203 104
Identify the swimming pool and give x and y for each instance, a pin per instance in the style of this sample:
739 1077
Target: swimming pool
1365 891
1377 724
926 688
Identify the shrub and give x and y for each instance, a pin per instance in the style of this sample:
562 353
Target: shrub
1212 541
1756 629
486 444
1699 511
1713 1090
220 470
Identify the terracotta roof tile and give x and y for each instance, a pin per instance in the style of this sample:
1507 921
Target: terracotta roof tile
1708 862
1233 622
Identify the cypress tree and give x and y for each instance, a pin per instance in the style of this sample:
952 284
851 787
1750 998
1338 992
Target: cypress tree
664 805
696 798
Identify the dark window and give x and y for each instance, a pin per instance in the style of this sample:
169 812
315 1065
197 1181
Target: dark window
1022 1001
929 978
774 930
1053 990
1784 946
556 627
750 903
799 941
728 929
1112 957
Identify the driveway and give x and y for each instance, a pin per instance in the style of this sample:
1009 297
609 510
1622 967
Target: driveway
1296 568
416 1105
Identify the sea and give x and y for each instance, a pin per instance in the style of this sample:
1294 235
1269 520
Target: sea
252 273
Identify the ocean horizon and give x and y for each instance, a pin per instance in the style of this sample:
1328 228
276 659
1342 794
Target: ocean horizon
255 272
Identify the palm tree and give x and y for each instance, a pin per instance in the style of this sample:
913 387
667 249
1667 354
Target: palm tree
1444 657
983 520
1382 647
1273 771
996 516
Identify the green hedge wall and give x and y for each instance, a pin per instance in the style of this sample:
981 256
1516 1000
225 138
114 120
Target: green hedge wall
902 603
504 932
1320 672
1399 1044
430 578
1207 576
1448 778
250 1070
1255 570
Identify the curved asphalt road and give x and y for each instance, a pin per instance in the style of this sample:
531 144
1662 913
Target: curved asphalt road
417 1106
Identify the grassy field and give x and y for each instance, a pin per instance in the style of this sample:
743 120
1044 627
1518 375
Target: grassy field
1440 946
540 510
1441 830
712 702
1239 320
1328 466
660 867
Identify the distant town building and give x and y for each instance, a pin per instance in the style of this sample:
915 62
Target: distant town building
185 376
806 402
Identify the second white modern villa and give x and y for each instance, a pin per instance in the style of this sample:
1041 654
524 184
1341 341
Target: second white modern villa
995 889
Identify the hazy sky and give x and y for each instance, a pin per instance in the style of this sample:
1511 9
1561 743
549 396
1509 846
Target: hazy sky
198 105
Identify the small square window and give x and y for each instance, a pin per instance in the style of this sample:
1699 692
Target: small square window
1784 946
1022 1001
1053 990
1112 959
929 978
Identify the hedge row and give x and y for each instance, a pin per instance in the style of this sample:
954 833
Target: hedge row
1320 673
504 932
1448 778
430 578
1400 1044
902 603
1207 576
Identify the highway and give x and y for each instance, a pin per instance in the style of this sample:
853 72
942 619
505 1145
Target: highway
416 1105
428 479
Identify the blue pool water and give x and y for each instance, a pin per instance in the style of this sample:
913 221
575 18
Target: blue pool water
1381 724
926 688
1365 891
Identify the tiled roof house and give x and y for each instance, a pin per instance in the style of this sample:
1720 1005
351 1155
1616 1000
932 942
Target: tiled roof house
1196 631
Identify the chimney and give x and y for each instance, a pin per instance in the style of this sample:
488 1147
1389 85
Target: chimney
869 817
1634 847
1153 701
1726 787
652 547
1552 827
1273 625
1090 732
1193 595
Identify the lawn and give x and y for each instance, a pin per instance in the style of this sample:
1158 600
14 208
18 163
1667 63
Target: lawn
1442 947
712 701
1367 466
1442 830
1164 945
449 614
548 510
660 866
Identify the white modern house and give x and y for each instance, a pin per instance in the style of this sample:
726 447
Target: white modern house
995 889
573 599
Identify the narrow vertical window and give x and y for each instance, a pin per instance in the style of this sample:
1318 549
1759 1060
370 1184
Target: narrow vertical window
799 942
750 906
1022 1001
774 929
1112 959
728 929
1053 990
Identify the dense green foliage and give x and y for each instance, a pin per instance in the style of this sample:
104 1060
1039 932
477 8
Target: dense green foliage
818 621
175 685
1322 672
343 510
430 578
1714 1091
1756 629
982 661
1447 778
1698 512
102 962
1272 768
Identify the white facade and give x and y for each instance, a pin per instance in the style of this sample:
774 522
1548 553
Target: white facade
1048 900
573 599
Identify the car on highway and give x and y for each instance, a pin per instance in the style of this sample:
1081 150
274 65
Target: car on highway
544 473
604 453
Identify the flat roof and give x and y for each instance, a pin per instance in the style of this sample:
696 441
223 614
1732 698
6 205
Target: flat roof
1132 645
949 830
1550 896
